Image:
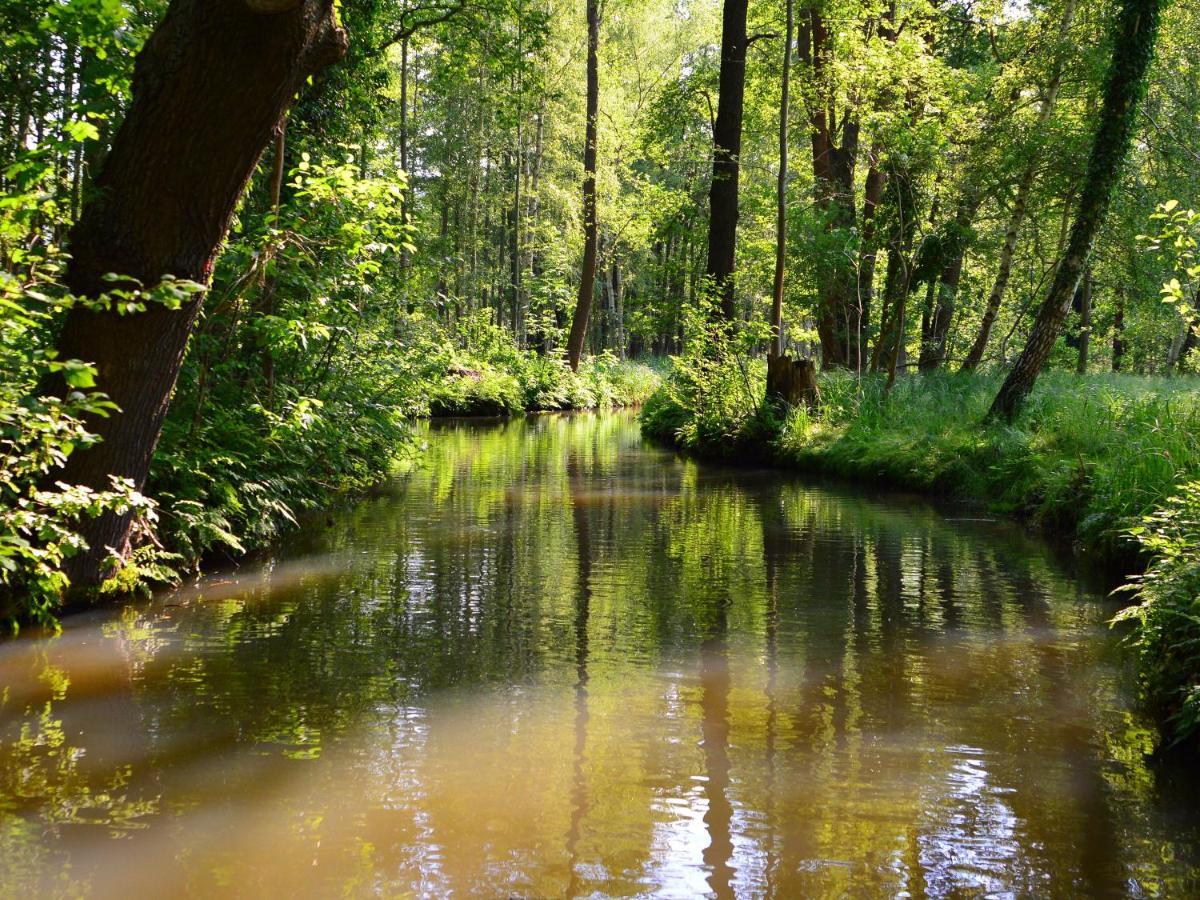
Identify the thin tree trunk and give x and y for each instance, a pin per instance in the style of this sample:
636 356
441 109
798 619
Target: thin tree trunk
587 280
727 150
867 254
1085 322
944 288
272 282
1133 51
1118 340
776 346
210 86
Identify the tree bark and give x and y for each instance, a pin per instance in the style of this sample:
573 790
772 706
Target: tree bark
1118 340
210 88
1133 50
587 280
727 149
867 253
889 349
1084 293
944 285
776 347
792 383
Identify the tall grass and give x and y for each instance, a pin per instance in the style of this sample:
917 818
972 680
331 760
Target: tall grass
1088 455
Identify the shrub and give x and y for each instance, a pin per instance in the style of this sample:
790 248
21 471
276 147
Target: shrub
1167 612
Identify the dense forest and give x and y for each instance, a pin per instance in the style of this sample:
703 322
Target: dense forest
244 243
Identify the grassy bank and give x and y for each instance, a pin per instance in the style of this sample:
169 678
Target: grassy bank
1112 461
238 463
532 383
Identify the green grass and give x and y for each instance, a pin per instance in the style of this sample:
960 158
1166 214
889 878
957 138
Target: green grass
1108 460
530 383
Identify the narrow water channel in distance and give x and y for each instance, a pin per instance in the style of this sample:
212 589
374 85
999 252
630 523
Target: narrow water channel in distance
555 660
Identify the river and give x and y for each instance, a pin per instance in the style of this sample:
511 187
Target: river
556 660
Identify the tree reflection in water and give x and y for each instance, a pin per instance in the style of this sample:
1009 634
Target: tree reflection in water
558 661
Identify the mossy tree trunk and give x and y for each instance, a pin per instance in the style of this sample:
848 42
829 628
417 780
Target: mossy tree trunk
1133 49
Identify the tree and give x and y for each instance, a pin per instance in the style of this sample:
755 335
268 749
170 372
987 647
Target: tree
587 280
776 348
1016 215
727 149
211 86
1133 49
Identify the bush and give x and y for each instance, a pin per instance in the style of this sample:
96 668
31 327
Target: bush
39 431
1167 613
487 374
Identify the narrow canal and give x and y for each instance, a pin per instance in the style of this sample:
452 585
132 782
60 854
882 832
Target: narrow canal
555 660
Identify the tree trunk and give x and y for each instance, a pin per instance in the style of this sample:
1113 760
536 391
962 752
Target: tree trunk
1178 350
1118 340
1085 322
944 286
839 323
727 149
587 280
792 382
210 88
892 326
271 284
1017 214
1189 344
867 253
776 347
1132 52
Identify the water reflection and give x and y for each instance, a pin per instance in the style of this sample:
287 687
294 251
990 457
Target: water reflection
555 661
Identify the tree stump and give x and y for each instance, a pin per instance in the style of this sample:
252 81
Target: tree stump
793 382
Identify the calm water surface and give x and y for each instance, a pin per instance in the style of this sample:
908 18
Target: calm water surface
557 661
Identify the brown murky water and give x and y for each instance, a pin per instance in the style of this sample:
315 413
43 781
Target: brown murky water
556 661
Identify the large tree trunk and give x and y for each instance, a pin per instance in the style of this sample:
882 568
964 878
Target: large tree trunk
776 346
210 88
1017 214
727 149
587 280
1132 52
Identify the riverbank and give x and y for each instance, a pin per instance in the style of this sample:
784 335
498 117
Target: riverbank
1110 461
257 501
230 477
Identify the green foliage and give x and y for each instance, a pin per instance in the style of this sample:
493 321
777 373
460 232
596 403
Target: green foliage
487 374
304 371
1167 614
44 404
